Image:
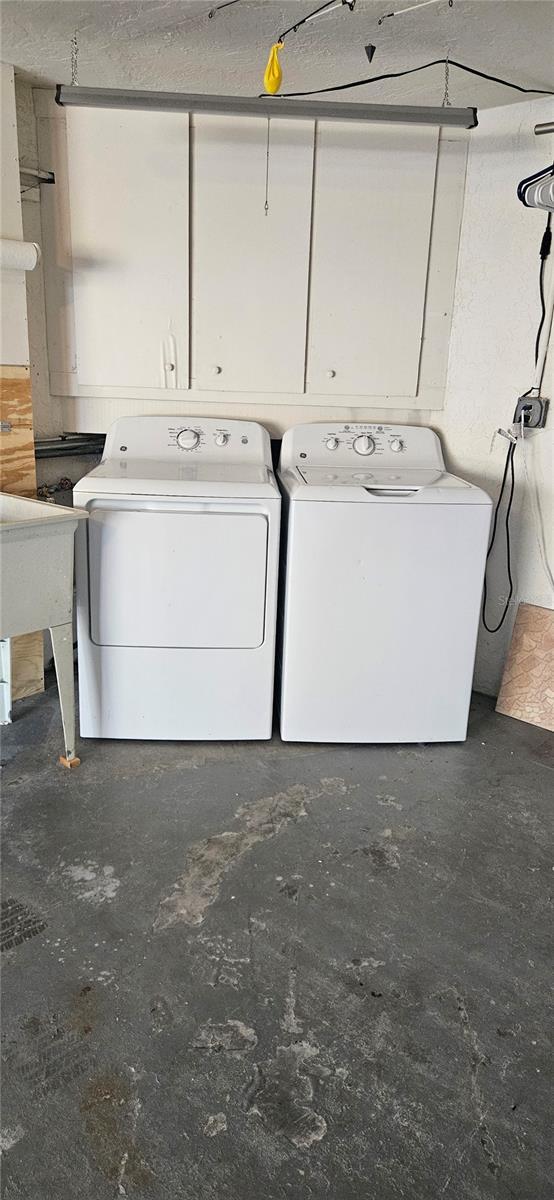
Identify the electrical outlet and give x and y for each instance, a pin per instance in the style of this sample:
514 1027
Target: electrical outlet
534 409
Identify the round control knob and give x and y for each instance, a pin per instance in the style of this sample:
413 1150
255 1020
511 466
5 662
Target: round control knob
331 373
397 444
187 439
364 444
332 443
221 439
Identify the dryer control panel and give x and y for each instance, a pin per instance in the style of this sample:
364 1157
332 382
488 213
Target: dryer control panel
360 447
199 439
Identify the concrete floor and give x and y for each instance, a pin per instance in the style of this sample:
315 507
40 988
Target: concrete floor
254 972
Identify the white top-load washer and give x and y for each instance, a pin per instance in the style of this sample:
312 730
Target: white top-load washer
177 581
385 557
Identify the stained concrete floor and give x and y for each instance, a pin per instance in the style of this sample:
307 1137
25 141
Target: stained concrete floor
235 972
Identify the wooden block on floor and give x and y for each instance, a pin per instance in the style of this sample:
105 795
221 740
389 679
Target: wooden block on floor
18 476
527 690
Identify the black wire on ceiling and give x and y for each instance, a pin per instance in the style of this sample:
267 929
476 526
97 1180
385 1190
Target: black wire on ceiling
343 87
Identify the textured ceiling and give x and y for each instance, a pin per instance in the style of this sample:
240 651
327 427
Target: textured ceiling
173 45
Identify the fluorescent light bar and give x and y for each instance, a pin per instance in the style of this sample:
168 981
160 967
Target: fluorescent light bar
266 106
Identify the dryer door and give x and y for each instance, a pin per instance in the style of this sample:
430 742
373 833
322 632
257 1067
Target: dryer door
161 574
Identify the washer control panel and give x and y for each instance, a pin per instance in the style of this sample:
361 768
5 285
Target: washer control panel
194 437
208 439
357 450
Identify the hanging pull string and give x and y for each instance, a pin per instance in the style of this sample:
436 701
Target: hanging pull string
436 62
266 205
74 60
331 4
411 8
446 97
217 8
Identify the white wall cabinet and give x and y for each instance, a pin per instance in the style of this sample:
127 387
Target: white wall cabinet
250 266
338 300
373 205
128 177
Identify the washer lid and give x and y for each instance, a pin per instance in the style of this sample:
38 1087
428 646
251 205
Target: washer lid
314 485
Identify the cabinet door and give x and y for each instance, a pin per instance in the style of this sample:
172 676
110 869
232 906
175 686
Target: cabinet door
373 204
250 267
128 191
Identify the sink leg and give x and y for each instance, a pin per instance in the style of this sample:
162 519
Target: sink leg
62 645
5 682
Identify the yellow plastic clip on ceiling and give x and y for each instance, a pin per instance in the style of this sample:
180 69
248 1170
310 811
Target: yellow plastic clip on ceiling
266 106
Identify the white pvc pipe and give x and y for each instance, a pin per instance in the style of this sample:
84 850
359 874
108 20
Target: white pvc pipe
18 256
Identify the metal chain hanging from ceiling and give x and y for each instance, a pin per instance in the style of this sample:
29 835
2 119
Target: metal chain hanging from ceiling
74 60
446 97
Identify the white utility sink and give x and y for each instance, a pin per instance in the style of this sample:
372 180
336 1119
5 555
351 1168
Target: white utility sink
36 561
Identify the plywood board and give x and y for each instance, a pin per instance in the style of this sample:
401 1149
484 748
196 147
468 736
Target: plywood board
527 690
17 451
18 476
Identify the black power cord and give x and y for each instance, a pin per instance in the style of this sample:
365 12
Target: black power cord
546 243
508 466
544 253
343 87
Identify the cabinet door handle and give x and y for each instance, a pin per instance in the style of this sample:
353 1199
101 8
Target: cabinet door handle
169 361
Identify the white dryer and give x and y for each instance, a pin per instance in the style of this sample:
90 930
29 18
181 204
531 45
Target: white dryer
385 557
177 581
